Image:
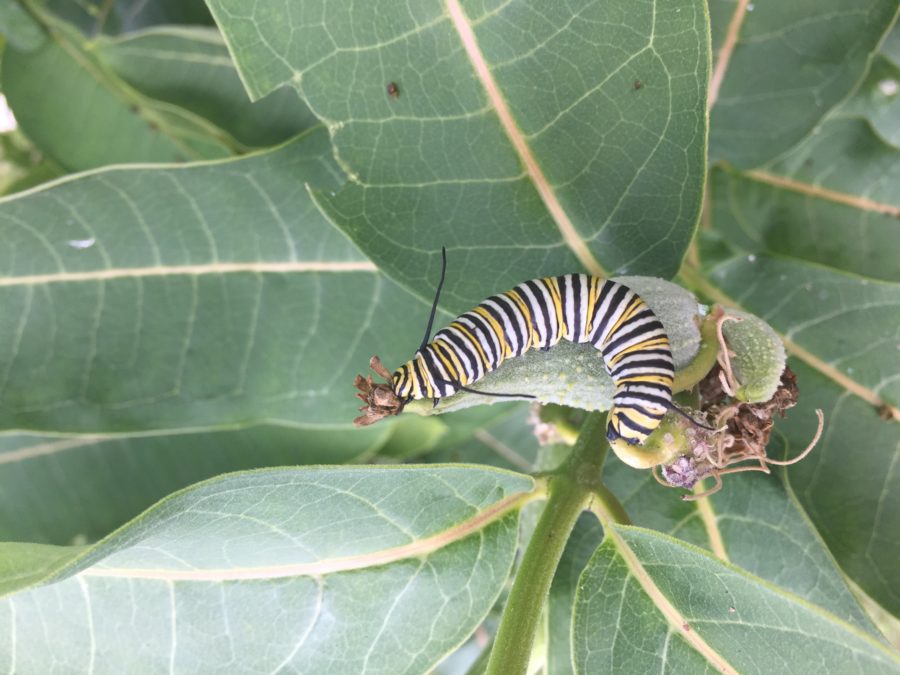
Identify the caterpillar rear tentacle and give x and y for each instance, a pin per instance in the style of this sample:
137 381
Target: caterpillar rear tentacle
539 313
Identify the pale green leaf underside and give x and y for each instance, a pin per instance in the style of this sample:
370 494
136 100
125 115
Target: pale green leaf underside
793 61
741 621
519 139
762 529
156 594
144 297
78 489
848 484
190 67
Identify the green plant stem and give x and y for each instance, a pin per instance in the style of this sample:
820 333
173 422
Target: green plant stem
570 491
607 508
703 362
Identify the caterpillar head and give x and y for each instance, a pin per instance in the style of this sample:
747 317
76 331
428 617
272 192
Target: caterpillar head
380 399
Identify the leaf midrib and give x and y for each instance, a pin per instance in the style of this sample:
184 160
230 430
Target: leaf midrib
189 270
419 548
825 194
546 192
629 556
675 618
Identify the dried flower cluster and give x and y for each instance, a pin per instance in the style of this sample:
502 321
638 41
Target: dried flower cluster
380 399
742 429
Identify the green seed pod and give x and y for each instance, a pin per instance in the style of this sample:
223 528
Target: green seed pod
666 442
758 358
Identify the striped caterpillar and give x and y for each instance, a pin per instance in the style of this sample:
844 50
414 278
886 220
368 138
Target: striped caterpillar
539 313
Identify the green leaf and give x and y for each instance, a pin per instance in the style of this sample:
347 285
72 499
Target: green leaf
140 298
19 29
849 485
785 66
106 121
649 603
500 436
877 99
528 139
120 16
78 489
247 571
583 541
190 68
755 523
831 199
842 331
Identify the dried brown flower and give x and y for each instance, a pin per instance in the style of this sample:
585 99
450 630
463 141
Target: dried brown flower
380 399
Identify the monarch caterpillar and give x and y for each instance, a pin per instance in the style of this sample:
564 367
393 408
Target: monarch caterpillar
539 313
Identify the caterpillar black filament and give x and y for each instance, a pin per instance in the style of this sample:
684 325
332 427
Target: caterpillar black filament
538 314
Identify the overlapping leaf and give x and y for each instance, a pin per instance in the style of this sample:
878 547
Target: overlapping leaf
248 572
105 122
846 334
753 523
78 489
190 68
783 66
156 298
530 138
832 199
648 603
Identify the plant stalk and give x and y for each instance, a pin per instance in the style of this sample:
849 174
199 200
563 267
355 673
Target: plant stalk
570 492
607 508
696 370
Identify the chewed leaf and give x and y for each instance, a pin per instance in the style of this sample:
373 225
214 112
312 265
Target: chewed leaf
574 374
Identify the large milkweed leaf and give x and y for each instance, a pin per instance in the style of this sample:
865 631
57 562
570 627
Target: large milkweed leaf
106 122
528 137
166 297
832 199
248 571
754 523
843 334
77 489
780 67
190 68
649 603
807 242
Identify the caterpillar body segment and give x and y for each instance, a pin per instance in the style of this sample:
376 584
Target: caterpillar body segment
538 314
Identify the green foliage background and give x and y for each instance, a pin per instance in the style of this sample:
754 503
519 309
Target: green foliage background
275 218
